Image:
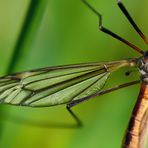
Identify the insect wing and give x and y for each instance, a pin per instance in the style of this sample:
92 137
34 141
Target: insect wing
56 85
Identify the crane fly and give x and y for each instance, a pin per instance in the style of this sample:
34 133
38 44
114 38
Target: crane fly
74 84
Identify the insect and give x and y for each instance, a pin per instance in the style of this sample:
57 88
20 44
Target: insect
74 84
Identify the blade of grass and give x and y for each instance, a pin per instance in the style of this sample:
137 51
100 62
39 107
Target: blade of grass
27 34
29 29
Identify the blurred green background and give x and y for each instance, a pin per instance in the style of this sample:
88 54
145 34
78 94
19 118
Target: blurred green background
66 32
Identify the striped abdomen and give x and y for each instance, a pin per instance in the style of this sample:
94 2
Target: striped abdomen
136 133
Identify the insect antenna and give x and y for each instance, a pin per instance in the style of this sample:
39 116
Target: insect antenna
127 15
107 31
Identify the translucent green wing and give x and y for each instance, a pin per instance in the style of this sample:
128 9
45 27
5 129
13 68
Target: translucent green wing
56 85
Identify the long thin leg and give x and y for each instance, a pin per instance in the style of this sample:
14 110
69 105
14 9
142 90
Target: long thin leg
125 12
107 31
78 121
76 102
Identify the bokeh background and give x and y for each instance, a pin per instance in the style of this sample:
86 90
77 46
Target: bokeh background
66 32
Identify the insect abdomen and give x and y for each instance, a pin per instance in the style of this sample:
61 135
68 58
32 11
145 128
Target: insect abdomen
136 131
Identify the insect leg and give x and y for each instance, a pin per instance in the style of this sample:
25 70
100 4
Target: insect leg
78 121
76 102
126 13
107 31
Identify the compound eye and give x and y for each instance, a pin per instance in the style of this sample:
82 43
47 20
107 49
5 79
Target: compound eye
145 59
146 56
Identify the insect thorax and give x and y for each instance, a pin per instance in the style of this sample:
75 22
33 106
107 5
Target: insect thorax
143 67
